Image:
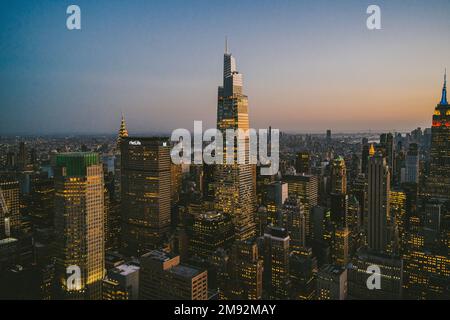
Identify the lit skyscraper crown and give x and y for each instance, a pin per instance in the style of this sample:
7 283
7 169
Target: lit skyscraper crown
371 150
123 132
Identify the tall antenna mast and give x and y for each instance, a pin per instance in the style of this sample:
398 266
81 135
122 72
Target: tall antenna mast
226 44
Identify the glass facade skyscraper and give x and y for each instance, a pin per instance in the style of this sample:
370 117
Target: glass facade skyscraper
235 183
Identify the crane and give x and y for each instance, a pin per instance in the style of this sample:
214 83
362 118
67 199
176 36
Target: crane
6 213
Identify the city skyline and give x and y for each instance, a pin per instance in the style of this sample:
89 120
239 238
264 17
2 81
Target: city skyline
295 62
113 218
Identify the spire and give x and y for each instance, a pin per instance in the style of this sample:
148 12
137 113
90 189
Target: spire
444 90
226 45
123 132
371 150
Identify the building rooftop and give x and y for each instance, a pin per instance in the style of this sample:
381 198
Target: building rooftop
160 256
277 232
7 241
185 271
331 269
126 269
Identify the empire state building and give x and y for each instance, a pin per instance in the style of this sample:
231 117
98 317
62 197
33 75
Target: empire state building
438 183
235 192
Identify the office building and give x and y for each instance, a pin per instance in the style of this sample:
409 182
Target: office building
163 277
79 224
378 203
331 283
145 184
276 263
122 283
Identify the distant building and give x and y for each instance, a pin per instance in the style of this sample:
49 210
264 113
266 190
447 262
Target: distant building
338 176
302 165
122 283
387 148
246 272
331 283
293 216
412 164
163 277
10 208
276 195
340 247
210 231
276 262
303 269
306 188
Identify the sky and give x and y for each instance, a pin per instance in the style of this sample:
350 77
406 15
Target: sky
308 66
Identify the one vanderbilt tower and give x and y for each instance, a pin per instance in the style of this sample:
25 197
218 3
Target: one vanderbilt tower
235 192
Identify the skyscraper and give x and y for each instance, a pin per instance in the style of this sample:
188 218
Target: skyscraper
412 164
364 155
79 223
145 184
340 247
306 188
338 176
293 216
22 160
123 133
9 206
246 272
277 193
302 269
276 262
438 183
210 231
235 192
387 145
302 163
378 202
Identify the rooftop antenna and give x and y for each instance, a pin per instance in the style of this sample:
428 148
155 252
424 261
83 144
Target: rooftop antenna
226 44
444 90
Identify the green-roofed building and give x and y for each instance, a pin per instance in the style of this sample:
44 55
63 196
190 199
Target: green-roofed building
75 164
79 225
